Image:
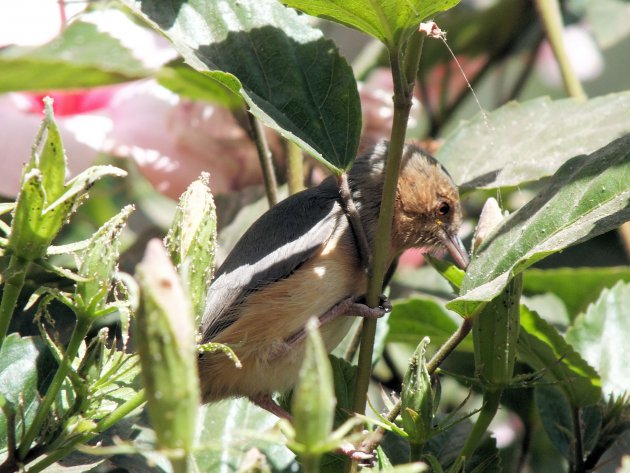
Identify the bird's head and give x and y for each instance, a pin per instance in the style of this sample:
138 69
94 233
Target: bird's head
428 212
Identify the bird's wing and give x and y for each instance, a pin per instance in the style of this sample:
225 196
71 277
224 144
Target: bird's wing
276 245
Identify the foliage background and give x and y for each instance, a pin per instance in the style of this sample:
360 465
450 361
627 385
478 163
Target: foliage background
579 292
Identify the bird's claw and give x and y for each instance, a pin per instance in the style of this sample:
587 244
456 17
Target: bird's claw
364 459
363 310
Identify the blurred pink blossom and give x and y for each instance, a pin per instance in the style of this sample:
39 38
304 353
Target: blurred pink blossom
377 108
174 140
584 55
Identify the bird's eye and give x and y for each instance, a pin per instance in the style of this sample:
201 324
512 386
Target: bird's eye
443 209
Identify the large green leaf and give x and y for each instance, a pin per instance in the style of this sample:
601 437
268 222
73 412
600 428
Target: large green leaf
564 283
82 56
524 142
390 22
608 21
413 319
230 429
186 82
18 382
543 348
588 196
600 335
292 78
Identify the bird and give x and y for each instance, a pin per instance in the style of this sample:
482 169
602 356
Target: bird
302 259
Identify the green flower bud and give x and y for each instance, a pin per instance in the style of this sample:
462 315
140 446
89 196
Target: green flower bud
191 241
166 344
44 202
98 262
417 397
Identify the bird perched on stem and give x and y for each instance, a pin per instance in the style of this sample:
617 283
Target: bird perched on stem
303 259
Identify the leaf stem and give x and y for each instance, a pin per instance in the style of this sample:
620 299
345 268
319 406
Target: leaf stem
551 16
264 155
295 168
578 466
454 340
80 331
14 281
310 463
115 416
489 409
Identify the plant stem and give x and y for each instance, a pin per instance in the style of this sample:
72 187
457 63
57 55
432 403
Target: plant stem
458 336
578 466
14 281
181 464
489 409
381 251
549 12
80 331
264 155
295 168
310 463
403 75
115 416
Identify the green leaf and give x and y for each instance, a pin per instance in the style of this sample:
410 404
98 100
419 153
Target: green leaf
606 20
292 79
230 429
413 319
588 196
390 22
313 402
18 382
555 414
543 348
194 85
82 56
600 335
344 377
522 142
563 283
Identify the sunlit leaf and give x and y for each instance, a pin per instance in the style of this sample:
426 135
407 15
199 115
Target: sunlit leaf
588 196
600 335
292 79
522 142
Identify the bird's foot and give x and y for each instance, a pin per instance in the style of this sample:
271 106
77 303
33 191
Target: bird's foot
364 458
351 306
361 309
266 402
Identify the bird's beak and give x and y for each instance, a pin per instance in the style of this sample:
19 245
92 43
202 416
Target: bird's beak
456 248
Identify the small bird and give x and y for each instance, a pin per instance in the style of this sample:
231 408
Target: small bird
301 259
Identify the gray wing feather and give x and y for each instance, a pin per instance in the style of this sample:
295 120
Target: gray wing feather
276 245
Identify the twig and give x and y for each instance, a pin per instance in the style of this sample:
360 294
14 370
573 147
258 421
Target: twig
264 155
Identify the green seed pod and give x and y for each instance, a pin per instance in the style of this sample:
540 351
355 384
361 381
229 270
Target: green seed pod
45 203
166 344
313 403
417 397
495 336
98 262
34 226
191 241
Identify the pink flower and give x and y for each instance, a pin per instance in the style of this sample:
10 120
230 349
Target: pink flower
377 108
584 55
174 140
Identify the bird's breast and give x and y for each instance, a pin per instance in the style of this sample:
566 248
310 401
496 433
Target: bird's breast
273 314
